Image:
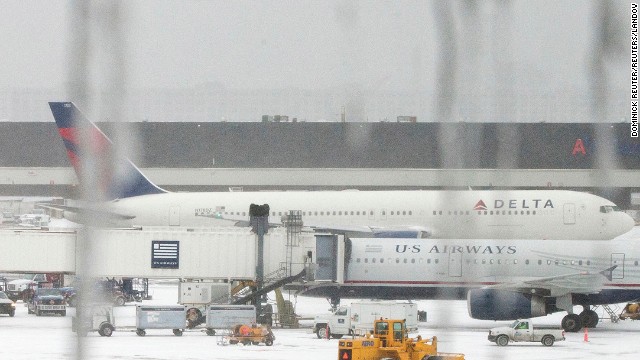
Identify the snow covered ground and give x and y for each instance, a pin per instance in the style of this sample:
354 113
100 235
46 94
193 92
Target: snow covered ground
50 337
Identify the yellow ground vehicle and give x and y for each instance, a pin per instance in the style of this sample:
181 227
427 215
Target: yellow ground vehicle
389 341
255 335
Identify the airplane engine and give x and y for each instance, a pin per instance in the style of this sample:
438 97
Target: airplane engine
492 304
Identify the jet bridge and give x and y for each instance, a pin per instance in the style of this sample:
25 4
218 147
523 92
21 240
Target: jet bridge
227 253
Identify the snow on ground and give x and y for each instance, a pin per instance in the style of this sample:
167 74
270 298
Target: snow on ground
50 337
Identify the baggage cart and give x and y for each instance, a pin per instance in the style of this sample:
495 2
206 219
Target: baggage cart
94 318
226 317
160 317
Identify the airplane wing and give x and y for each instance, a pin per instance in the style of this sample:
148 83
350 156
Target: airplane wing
88 211
573 283
366 231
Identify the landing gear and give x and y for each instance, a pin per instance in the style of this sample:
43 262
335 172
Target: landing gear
571 323
589 318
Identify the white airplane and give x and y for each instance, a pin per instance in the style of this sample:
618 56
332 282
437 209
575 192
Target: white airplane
500 279
525 214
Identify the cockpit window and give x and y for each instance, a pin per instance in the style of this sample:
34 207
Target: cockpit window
609 208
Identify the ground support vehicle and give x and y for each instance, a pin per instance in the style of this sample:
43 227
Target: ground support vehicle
160 317
47 300
389 341
359 317
225 317
631 311
523 330
7 306
251 335
94 318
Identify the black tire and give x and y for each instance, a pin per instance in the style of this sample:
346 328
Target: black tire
37 312
571 323
322 332
589 318
63 313
12 312
119 301
268 342
106 329
336 336
177 332
502 340
547 340
140 332
210 332
233 342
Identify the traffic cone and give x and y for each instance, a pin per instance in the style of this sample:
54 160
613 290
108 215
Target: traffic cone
586 334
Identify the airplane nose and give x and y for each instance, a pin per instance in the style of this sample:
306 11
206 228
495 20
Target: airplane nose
627 222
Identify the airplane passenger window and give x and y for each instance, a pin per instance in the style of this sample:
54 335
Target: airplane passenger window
397 261
436 261
526 262
580 262
533 212
366 260
404 261
548 262
539 262
515 261
404 213
413 261
409 212
381 260
373 260
491 212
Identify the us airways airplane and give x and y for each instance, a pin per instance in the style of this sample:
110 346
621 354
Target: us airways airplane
525 214
500 279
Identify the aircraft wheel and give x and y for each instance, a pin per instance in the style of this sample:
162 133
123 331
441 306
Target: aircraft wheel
589 318
571 323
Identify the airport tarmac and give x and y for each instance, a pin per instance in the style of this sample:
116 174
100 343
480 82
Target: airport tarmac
50 337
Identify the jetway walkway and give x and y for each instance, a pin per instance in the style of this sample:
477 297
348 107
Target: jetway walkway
227 253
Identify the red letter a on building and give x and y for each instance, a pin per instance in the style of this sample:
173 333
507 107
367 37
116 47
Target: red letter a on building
578 147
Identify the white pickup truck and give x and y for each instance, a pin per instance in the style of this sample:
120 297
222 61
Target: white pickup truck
523 330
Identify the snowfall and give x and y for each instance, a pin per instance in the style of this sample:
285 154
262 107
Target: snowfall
50 337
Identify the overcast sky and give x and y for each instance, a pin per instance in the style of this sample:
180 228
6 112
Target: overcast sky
306 44
455 60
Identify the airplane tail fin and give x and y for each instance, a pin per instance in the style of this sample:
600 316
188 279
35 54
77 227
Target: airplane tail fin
118 177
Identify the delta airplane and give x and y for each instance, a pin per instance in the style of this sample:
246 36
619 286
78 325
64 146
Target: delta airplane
525 214
500 279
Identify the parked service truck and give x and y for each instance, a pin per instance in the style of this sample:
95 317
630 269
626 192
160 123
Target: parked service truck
523 330
359 318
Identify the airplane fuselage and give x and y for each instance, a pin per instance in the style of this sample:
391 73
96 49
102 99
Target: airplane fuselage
523 214
447 269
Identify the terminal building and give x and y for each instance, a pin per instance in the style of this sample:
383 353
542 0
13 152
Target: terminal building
218 156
